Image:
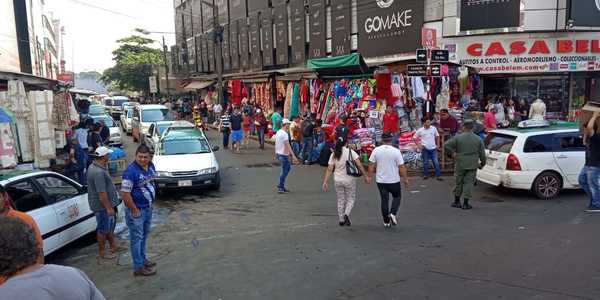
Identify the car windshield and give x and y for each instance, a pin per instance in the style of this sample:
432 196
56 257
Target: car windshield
96 110
155 115
499 142
180 147
162 127
116 102
130 113
108 121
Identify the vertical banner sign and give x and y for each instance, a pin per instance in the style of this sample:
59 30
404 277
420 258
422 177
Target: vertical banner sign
477 14
205 62
318 33
237 9
281 34
152 84
191 44
199 61
340 27
207 16
254 35
211 53
226 49
197 16
429 37
234 45
223 10
585 13
298 32
388 27
178 26
244 45
266 21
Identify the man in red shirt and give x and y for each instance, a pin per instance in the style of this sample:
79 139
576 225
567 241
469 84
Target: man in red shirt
391 124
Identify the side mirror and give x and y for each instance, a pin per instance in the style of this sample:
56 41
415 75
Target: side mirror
215 148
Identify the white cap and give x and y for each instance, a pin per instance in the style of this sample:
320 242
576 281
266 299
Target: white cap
286 121
102 151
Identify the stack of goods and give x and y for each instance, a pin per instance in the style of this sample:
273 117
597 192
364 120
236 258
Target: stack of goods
407 141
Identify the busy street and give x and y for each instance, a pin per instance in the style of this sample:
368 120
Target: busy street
299 149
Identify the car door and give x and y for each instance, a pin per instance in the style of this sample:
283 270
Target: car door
148 136
570 155
71 205
136 125
27 198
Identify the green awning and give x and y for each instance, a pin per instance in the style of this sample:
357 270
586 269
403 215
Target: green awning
344 65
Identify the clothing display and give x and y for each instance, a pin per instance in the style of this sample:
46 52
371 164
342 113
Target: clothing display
537 110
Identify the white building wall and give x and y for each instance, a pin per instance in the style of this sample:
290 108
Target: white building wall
9 48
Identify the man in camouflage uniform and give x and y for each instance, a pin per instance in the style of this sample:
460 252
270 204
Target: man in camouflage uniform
469 155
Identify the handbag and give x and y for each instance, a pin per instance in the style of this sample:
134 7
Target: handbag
351 167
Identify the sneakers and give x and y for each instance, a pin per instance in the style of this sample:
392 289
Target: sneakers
347 220
387 225
149 264
342 223
593 209
282 190
439 179
456 204
393 220
425 177
144 271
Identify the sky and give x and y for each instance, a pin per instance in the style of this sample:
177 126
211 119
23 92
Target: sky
93 27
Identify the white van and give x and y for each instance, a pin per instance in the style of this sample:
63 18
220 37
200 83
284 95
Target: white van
146 115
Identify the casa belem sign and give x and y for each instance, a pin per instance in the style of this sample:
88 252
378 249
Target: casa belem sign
525 54
388 27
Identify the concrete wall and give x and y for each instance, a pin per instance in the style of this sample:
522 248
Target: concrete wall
9 49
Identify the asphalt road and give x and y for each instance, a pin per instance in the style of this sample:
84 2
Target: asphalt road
247 242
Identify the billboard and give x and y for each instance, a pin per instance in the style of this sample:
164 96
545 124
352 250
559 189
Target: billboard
340 27
266 21
254 37
389 27
298 19
317 25
234 45
9 52
244 44
226 49
478 14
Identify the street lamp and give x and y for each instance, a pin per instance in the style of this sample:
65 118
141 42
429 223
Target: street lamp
164 46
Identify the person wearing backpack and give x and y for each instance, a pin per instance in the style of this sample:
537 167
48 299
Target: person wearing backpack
341 161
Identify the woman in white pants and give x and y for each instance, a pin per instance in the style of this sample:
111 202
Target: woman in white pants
345 185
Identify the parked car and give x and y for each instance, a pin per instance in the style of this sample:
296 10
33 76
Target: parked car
184 160
544 161
114 105
58 205
144 116
126 118
115 132
155 132
128 105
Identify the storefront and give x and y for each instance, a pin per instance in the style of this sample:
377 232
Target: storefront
562 69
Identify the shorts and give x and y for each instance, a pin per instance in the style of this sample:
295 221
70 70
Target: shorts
237 135
105 223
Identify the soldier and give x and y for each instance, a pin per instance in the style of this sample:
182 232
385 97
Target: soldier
469 154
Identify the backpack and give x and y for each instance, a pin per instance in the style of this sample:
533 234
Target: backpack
324 156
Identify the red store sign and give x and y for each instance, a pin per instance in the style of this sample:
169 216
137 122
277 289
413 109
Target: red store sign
530 55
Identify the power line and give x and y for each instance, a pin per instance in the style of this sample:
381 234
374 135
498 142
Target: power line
103 9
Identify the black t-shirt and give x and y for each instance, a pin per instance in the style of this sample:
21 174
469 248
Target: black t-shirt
592 155
93 140
308 128
236 122
105 134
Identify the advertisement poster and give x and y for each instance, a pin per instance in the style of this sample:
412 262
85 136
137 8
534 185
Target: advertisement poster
281 34
389 27
521 54
298 18
318 34
340 27
478 14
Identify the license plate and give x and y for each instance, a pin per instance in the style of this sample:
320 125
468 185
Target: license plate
184 183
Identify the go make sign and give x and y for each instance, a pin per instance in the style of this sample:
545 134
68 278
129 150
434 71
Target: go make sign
573 53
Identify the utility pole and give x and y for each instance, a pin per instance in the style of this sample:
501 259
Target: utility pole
166 67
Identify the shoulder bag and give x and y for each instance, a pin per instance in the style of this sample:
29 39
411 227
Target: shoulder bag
351 167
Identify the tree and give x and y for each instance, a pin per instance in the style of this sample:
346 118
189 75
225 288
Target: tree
135 60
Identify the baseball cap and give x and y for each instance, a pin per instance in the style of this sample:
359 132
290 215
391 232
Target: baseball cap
286 121
102 151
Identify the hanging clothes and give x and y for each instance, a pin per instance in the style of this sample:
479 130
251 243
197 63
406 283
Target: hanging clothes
384 87
418 89
294 106
236 92
288 100
463 79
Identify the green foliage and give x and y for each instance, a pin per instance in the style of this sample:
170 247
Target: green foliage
135 60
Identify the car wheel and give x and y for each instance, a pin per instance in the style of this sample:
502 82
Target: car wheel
217 185
547 185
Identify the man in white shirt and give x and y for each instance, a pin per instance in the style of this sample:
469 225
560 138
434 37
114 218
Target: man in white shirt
283 150
218 110
428 145
388 162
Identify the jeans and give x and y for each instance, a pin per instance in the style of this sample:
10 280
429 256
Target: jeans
260 131
433 156
296 147
226 133
385 189
589 179
285 169
76 173
307 147
139 229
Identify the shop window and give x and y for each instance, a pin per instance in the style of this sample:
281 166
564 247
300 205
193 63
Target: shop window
595 90
539 143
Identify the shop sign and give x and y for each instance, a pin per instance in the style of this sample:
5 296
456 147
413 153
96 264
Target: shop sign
424 70
298 18
281 34
9 49
267 37
317 18
234 44
578 52
387 27
244 45
422 56
66 77
428 37
152 84
440 55
488 14
585 12
254 36
226 49
340 27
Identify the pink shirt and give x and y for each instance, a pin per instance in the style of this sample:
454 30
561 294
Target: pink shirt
489 120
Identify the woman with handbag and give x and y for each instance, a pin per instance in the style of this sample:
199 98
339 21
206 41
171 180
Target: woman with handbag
345 166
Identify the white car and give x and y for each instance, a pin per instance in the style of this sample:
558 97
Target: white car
114 105
115 132
146 115
186 159
155 132
544 160
126 118
58 205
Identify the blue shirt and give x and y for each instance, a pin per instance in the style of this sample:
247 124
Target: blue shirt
140 183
